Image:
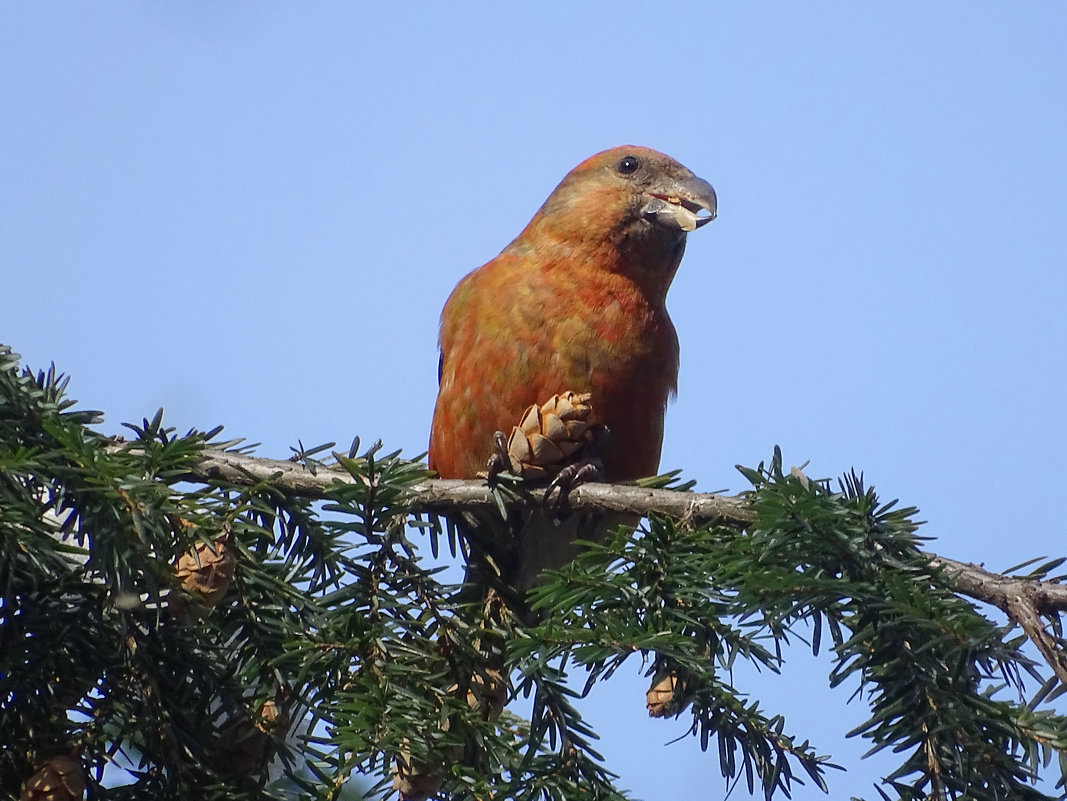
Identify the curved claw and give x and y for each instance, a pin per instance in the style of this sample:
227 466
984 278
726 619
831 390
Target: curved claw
500 460
584 471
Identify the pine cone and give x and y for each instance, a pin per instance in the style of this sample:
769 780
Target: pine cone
666 696
415 782
550 434
207 570
488 693
244 743
61 778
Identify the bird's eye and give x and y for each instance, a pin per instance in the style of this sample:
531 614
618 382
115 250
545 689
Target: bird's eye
628 165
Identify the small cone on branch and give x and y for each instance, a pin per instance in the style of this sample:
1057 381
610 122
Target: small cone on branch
488 694
415 782
666 696
244 743
550 434
62 778
207 570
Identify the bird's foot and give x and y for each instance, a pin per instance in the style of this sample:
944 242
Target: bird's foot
500 460
570 477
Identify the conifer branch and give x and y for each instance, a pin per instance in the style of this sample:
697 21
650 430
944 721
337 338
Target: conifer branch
1025 600
447 495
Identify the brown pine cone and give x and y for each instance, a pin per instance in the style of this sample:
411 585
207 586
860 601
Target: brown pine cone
245 742
415 782
207 570
550 434
666 696
62 778
488 693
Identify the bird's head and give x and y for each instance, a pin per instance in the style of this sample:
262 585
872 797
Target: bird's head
638 201
629 184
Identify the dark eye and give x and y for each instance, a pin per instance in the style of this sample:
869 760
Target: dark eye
628 165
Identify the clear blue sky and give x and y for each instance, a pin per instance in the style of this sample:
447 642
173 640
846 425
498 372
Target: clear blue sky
250 213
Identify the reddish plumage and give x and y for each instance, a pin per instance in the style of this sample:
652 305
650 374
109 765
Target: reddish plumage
575 302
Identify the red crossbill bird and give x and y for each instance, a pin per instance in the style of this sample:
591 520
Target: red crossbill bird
577 302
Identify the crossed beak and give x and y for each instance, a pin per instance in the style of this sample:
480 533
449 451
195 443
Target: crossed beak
685 204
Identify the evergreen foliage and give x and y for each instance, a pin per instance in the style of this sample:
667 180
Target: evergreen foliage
337 646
